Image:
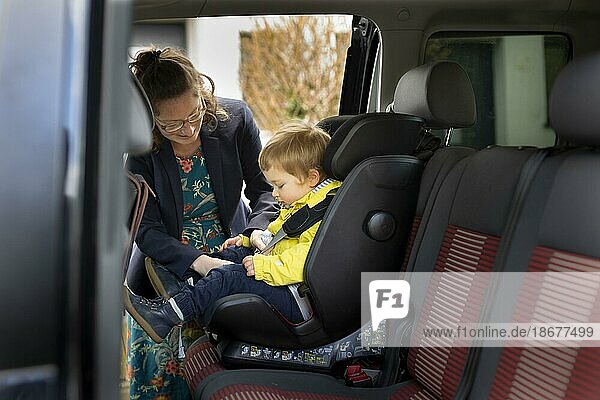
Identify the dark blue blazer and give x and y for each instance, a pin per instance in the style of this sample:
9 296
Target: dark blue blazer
231 154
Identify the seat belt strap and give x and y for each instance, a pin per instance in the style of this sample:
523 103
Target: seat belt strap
300 221
306 217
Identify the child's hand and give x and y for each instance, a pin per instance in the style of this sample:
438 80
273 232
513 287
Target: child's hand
256 239
234 241
248 263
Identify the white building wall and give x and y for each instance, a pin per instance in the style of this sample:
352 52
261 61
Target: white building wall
213 46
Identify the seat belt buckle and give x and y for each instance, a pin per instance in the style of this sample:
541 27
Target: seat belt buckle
355 376
303 290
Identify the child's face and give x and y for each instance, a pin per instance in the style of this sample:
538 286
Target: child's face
287 188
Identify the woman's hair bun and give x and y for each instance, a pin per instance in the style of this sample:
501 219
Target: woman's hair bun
145 60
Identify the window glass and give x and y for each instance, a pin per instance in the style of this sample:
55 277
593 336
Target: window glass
512 77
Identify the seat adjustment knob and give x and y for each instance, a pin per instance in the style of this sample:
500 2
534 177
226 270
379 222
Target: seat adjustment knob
380 225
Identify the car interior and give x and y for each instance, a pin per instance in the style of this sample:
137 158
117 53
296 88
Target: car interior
466 136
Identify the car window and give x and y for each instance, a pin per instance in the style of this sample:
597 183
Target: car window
282 66
512 76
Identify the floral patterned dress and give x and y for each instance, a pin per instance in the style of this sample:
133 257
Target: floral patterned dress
155 371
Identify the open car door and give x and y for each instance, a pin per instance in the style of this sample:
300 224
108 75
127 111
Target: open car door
360 64
69 113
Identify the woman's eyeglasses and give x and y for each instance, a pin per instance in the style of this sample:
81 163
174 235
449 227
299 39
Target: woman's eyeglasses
192 119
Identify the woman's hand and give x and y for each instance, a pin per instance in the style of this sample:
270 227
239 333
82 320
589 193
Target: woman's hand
248 263
234 241
204 263
256 239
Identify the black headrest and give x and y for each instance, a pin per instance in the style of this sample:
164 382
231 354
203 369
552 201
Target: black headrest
368 135
440 92
575 102
331 124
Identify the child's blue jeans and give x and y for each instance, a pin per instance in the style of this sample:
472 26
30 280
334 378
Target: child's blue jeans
232 279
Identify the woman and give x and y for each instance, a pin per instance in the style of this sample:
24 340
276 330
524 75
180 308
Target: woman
204 149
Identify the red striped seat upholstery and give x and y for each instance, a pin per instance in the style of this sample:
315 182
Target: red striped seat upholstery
450 303
553 372
256 392
201 361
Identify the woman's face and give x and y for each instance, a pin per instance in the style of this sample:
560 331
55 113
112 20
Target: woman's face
179 119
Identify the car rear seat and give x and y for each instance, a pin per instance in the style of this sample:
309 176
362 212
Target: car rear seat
501 201
542 235
559 230
475 201
463 234
460 224
446 102
450 82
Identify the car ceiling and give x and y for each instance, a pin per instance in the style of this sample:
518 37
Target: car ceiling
579 18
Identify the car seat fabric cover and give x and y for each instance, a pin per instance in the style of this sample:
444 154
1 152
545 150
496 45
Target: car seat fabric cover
385 184
462 235
550 239
435 172
262 384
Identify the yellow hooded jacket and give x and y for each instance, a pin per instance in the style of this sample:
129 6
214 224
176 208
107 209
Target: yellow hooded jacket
284 265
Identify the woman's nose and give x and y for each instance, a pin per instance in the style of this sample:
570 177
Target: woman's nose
188 128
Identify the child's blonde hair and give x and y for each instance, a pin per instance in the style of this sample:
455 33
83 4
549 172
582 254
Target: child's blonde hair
295 147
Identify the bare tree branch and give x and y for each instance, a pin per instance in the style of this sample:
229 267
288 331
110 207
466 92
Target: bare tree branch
293 68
